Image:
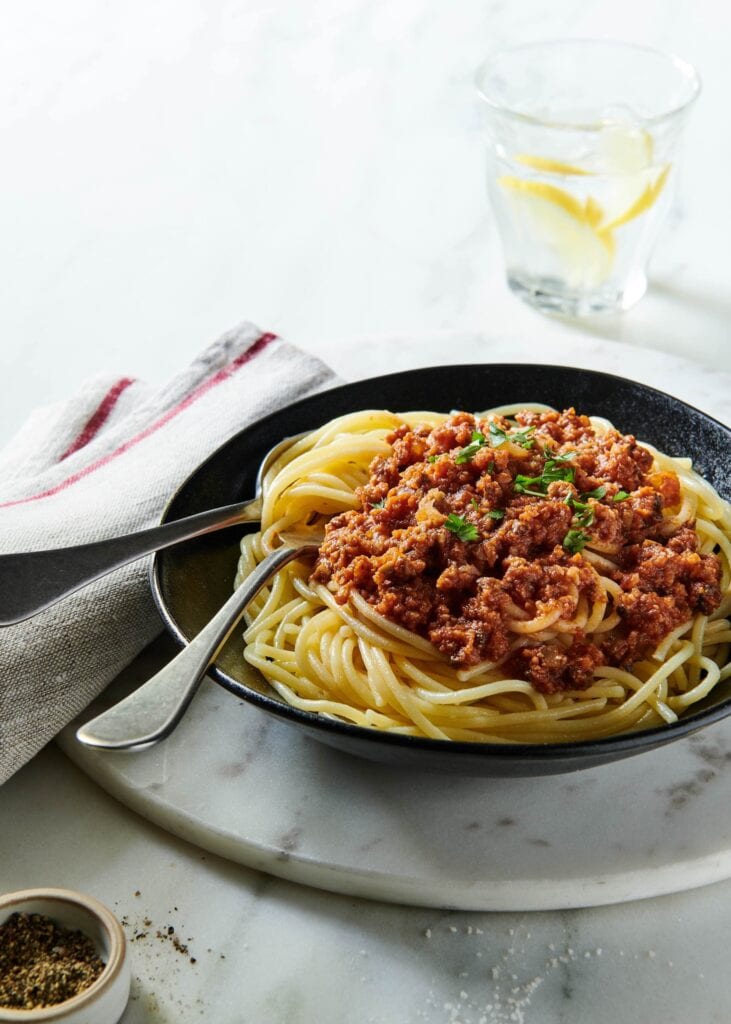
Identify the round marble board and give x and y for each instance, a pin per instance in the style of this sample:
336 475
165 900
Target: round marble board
248 787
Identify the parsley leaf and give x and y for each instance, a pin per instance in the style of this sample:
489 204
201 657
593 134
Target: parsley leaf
575 541
497 436
620 496
552 471
496 513
521 485
585 516
585 513
474 503
461 528
566 457
379 504
522 438
467 454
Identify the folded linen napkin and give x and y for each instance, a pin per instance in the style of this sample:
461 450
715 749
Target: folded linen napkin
105 463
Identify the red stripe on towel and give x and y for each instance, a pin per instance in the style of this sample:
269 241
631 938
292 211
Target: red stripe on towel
97 420
262 342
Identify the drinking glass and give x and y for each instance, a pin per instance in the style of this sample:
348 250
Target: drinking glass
583 141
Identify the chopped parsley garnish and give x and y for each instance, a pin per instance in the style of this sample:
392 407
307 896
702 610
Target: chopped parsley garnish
522 485
575 541
522 438
432 458
584 512
498 436
584 516
566 457
553 470
491 468
597 493
379 504
496 513
467 454
461 528
620 496
537 485
474 503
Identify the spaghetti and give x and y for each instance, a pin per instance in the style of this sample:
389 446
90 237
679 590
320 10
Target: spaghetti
523 576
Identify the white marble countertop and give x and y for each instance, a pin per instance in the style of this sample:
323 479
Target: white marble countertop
171 168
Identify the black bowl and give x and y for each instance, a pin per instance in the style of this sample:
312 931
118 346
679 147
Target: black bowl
191 581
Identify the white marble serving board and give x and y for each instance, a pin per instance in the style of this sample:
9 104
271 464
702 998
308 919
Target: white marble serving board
247 786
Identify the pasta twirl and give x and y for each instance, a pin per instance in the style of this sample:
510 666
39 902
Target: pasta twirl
521 576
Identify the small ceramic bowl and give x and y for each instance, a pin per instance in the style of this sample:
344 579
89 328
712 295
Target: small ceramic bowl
104 1001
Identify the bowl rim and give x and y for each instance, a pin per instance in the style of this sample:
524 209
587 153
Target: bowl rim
13 902
547 752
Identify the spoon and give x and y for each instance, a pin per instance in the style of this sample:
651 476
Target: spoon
152 712
32 581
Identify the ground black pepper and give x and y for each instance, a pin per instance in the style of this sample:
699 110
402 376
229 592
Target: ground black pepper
43 963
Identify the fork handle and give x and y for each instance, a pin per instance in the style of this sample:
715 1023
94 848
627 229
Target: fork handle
151 713
34 580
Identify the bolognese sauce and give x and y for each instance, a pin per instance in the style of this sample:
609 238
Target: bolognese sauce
468 529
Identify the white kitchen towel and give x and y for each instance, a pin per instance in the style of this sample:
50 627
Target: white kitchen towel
105 463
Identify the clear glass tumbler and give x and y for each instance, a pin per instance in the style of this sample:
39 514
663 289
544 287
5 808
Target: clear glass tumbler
583 141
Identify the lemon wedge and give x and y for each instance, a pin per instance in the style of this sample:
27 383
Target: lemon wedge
646 198
563 225
622 163
633 182
545 163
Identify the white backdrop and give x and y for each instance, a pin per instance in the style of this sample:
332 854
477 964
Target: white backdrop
170 167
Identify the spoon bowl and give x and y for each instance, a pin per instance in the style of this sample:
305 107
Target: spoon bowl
154 710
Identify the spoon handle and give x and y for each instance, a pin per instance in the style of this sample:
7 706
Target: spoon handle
34 580
152 712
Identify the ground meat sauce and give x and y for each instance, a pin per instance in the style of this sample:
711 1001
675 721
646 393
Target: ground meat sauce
458 585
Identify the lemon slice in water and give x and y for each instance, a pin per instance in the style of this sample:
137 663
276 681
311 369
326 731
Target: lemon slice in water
564 226
630 182
626 210
547 163
633 182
